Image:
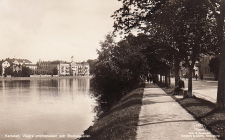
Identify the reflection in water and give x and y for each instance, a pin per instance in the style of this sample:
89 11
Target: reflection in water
59 106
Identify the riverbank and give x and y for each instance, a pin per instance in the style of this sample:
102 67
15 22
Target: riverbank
121 121
203 111
43 77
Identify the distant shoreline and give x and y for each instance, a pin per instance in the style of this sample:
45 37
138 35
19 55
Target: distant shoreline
43 77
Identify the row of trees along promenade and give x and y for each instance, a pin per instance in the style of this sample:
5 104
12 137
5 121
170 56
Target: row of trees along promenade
171 32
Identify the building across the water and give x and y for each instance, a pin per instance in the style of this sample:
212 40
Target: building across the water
33 68
13 67
47 67
80 68
63 68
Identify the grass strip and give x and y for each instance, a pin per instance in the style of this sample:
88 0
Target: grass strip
120 122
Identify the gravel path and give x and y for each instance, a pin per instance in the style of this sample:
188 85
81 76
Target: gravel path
162 118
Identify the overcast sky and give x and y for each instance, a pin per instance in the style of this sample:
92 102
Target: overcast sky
54 29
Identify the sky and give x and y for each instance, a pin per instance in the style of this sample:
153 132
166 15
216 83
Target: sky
54 29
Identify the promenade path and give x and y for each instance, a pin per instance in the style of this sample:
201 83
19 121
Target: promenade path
162 118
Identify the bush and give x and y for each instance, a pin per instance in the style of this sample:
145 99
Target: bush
110 83
116 72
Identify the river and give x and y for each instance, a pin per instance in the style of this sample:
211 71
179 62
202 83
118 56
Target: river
45 108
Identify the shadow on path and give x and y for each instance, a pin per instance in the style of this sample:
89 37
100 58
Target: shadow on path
161 117
167 122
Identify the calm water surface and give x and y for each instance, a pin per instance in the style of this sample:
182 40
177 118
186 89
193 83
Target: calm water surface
59 106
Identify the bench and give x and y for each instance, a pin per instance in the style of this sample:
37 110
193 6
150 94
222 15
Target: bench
184 91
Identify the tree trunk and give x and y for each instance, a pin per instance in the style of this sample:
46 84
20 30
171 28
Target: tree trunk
220 34
169 84
160 78
190 69
221 79
216 76
166 80
176 70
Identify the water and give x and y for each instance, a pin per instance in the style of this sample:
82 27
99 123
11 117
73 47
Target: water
47 107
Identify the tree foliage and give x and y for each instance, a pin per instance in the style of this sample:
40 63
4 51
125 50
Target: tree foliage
0 69
116 70
9 70
26 71
135 13
185 28
92 65
194 34
122 66
218 11
55 71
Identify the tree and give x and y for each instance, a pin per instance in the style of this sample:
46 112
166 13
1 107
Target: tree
107 82
0 69
194 33
119 68
214 66
130 54
218 11
134 13
55 71
192 37
9 70
92 65
140 14
158 57
25 72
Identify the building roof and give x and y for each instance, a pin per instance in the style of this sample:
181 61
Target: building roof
85 63
31 65
82 63
54 62
23 60
18 60
64 62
